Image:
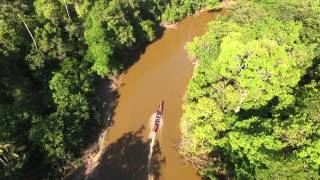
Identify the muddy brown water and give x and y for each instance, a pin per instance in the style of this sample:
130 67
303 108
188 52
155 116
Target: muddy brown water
162 72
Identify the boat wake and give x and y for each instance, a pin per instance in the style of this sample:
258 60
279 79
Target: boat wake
156 123
152 138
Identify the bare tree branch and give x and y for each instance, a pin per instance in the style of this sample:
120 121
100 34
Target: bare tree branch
65 5
28 31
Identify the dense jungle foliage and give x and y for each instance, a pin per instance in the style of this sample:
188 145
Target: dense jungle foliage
48 105
252 109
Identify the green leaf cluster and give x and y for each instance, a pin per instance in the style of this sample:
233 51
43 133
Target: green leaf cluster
178 9
252 106
49 108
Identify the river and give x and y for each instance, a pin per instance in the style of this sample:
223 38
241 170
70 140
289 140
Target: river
162 72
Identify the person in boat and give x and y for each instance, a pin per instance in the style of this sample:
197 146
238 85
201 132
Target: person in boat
158 117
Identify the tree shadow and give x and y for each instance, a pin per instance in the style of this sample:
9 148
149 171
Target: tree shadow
311 73
127 57
107 100
264 111
127 159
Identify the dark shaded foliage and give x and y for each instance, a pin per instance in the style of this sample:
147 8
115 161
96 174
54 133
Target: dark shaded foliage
49 106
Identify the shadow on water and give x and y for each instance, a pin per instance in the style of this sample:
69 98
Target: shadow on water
107 100
108 96
129 56
127 159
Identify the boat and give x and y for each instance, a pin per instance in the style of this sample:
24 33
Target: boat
157 118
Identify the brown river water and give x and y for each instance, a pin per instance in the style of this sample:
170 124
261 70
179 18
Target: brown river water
162 72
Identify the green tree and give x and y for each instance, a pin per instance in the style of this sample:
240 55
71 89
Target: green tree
177 9
11 33
250 106
148 28
48 104
49 9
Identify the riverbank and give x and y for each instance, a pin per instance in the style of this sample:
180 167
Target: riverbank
235 120
163 71
107 91
215 9
92 155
